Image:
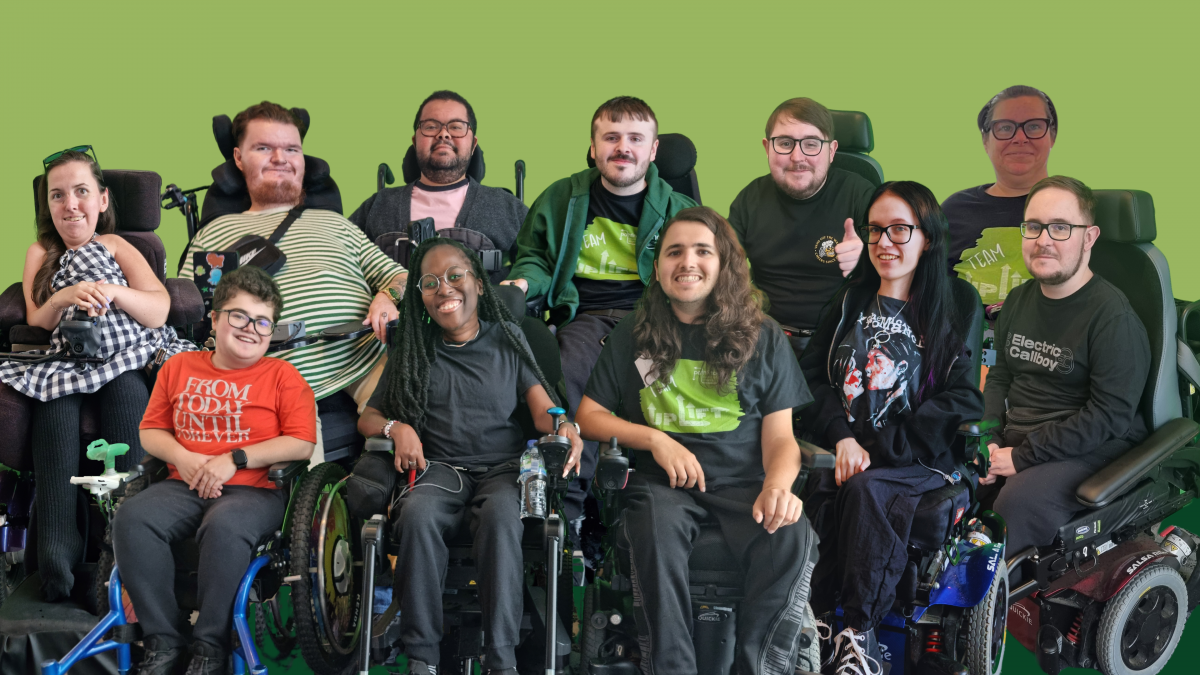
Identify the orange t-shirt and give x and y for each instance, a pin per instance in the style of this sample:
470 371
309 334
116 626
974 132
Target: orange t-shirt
213 411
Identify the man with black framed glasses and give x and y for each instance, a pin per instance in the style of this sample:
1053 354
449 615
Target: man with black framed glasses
1072 359
443 140
797 223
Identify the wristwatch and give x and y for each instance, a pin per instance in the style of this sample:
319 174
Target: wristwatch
393 294
239 458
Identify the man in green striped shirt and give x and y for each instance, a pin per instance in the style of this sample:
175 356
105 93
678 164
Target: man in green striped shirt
333 273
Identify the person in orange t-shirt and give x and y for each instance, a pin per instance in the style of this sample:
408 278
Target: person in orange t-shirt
219 419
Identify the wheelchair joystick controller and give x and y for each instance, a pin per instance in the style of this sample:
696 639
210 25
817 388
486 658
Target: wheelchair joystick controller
555 448
111 479
612 471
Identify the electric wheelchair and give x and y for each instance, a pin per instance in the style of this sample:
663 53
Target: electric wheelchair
134 197
1112 592
373 494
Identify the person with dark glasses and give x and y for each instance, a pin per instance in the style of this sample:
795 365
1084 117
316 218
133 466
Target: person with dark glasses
79 270
1018 127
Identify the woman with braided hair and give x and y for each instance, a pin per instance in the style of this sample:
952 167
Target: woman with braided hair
457 370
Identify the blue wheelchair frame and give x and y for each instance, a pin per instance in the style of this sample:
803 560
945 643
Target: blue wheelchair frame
92 644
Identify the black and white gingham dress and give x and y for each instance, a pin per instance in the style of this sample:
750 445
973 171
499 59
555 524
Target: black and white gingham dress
127 344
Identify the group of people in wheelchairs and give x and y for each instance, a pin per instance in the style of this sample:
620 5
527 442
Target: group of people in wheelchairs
679 373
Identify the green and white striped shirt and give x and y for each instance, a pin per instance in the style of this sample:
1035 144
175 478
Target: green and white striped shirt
331 275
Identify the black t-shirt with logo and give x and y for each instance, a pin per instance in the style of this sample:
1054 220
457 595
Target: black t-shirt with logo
969 212
789 242
606 275
723 430
879 362
1087 352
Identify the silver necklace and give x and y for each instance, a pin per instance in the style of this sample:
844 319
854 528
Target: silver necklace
882 336
459 345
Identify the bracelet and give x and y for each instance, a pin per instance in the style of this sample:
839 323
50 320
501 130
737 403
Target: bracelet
387 429
50 301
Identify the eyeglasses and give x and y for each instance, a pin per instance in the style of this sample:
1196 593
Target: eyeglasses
1034 129
455 277
899 233
1057 231
79 148
431 128
809 146
240 319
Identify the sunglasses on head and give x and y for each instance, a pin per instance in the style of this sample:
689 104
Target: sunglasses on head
79 148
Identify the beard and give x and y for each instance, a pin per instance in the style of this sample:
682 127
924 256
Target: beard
617 178
1067 269
283 192
818 182
443 171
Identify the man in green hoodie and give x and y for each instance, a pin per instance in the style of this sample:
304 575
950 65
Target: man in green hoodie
587 244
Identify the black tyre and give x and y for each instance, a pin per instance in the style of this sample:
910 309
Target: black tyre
1141 625
269 624
323 542
592 625
11 576
99 598
985 625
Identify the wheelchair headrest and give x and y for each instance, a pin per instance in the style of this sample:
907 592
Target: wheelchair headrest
228 191
513 298
411 172
135 196
1125 216
676 156
852 130
223 131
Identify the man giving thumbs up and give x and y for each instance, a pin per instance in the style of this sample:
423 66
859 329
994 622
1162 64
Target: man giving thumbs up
798 223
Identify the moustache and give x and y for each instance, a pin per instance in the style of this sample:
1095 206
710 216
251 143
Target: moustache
628 158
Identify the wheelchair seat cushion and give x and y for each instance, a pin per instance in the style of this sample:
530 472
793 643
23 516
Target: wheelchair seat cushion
710 552
937 512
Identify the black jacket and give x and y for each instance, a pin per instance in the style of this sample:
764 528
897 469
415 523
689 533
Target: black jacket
925 436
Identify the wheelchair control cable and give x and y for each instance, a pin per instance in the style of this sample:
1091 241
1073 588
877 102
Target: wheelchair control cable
416 483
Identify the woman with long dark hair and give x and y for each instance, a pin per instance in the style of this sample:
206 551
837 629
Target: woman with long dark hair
892 380
78 269
457 370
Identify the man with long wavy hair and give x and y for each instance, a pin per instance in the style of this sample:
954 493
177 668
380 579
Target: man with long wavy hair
703 386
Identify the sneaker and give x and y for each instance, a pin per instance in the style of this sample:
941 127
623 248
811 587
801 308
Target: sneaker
856 653
162 657
421 668
208 659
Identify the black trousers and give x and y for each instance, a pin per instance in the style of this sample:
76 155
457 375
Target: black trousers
579 346
864 527
1037 501
428 516
226 528
56 456
660 525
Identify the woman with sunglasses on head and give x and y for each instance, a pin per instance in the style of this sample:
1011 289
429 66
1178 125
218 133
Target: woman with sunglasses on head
79 269
458 368
892 380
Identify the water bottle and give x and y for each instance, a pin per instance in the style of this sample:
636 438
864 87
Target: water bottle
533 483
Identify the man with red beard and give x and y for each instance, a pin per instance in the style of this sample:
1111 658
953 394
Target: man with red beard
588 243
333 274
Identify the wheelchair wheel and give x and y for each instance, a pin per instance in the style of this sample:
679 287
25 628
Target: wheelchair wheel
11 576
592 627
99 599
323 546
985 626
1141 625
268 622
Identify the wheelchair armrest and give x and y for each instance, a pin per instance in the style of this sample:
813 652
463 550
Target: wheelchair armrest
153 468
12 309
977 428
187 306
812 457
379 444
1123 472
282 473
28 335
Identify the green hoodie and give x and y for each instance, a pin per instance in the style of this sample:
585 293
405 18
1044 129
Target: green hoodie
550 239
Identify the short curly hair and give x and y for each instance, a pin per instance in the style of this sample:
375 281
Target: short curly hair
252 280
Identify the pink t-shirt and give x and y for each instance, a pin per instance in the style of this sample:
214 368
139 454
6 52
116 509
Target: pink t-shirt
442 203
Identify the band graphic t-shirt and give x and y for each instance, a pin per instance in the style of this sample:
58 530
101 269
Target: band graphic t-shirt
879 362
212 411
606 275
722 428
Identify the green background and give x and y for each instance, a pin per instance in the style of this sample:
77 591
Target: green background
141 81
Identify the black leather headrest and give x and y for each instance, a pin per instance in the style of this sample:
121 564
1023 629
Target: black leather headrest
676 156
228 192
1125 216
411 172
134 194
852 131
223 130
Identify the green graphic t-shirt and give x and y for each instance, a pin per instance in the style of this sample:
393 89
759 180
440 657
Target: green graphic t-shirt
994 266
723 430
606 275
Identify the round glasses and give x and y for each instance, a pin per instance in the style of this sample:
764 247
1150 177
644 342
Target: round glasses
1034 128
784 145
239 319
454 277
1057 231
898 233
431 128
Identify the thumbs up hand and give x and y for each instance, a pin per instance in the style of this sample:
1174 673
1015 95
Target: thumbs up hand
849 251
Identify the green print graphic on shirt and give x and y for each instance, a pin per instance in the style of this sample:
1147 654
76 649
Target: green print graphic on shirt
995 265
607 253
683 405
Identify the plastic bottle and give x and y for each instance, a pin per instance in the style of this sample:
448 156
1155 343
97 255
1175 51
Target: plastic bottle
532 480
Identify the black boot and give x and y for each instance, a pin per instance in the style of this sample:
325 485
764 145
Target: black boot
208 659
164 656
